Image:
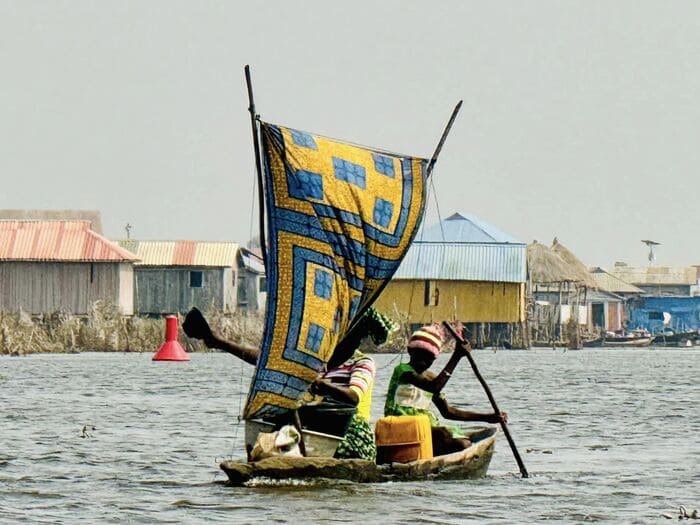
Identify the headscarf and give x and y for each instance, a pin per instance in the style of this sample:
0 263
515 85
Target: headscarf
429 338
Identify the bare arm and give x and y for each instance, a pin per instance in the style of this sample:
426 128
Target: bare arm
432 383
196 327
344 394
247 353
457 414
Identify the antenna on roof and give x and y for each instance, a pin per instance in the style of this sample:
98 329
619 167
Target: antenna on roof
651 244
128 230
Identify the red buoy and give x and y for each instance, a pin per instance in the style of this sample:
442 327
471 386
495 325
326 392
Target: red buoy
171 350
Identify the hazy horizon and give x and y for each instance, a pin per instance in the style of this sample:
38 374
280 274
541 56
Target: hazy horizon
580 120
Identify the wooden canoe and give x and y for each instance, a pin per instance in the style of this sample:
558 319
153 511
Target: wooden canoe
618 341
472 462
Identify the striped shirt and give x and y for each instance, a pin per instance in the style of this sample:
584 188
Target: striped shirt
357 373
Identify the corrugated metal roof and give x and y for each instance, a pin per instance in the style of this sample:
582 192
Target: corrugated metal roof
57 241
464 262
656 275
600 295
92 216
462 227
183 253
252 261
608 282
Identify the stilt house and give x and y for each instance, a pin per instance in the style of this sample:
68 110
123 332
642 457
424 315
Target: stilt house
608 305
558 287
462 269
174 276
61 266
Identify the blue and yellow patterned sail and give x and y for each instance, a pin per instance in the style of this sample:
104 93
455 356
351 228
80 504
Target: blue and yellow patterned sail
340 219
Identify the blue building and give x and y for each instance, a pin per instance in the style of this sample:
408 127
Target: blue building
680 314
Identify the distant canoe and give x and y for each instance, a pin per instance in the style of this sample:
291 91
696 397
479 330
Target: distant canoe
682 339
470 463
619 341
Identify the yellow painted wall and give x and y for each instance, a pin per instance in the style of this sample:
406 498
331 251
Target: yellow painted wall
467 301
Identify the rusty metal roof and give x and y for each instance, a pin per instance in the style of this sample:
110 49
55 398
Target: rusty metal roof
182 253
93 216
61 241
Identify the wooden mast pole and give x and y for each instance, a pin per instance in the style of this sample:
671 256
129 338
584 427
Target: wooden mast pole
254 117
504 427
434 158
341 357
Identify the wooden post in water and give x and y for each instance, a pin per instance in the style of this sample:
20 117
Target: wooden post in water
504 427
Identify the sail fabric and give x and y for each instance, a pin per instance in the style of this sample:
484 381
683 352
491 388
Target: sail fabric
340 219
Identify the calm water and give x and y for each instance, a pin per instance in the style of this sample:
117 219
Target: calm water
608 435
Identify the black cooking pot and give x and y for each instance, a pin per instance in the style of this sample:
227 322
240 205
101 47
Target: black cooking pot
327 417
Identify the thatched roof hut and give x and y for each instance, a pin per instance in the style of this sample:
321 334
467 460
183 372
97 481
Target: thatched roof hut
546 267
581 271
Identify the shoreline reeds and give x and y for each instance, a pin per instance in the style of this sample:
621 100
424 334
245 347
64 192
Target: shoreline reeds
104 329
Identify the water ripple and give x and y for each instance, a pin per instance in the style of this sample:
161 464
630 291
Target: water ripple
593 427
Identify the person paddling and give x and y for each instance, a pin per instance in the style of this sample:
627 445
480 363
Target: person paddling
350 383
413 389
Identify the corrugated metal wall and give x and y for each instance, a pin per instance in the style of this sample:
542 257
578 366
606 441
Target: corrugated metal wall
168 290
37 287
467 301
647 312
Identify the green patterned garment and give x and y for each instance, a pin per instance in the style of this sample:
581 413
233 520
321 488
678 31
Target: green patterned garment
405 399
358 442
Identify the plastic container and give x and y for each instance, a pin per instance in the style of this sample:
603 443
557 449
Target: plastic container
402 439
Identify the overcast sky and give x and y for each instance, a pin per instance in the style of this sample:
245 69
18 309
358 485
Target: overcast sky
581 120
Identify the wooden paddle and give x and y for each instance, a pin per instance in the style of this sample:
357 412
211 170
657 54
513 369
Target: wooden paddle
461 342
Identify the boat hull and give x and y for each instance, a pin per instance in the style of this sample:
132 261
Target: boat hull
469 463
621 341
640 341
684 339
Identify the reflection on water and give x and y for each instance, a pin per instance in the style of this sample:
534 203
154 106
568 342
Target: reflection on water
606 434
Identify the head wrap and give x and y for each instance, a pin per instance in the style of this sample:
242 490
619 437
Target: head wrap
429 338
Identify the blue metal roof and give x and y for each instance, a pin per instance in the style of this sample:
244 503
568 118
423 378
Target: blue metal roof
465 262
462 227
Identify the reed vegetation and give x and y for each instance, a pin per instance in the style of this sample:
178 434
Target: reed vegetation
107 330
